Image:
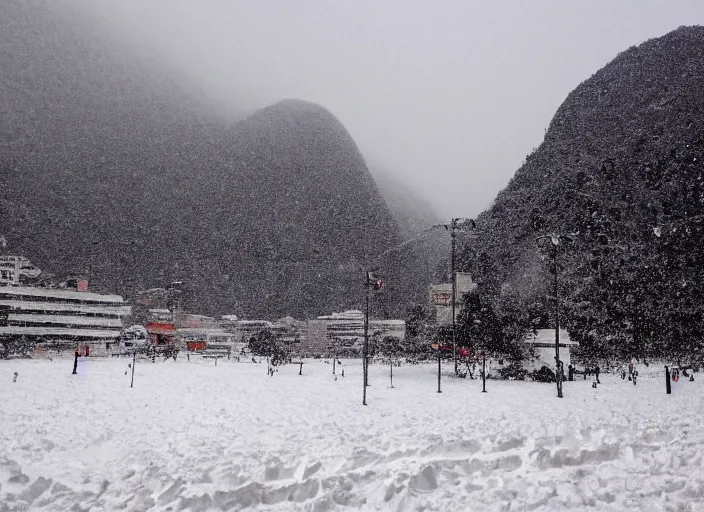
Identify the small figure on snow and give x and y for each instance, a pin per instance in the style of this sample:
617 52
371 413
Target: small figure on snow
596 372
75 361
635 375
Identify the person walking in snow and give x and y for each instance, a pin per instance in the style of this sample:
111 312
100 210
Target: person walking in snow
635 374
596 372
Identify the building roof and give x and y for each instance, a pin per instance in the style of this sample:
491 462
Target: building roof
160 328
66 320
543 336
29 291
28 305
58 331
204 331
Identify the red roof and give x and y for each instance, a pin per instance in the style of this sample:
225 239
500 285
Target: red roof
160 328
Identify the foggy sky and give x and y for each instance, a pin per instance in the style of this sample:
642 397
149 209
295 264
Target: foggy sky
448 95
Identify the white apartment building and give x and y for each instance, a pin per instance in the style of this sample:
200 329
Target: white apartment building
61 317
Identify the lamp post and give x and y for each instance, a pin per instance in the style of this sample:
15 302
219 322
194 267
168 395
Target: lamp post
372 283
365 350
555 240
439 366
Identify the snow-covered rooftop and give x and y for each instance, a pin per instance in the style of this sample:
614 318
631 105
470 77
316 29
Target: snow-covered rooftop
548 336
66 320
69 308
59 331
29 291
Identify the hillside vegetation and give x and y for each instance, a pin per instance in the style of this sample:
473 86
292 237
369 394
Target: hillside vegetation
621 169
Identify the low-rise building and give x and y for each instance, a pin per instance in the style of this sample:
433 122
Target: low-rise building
246 329
343 333
14 268
441 297
543 344
383 328
208 339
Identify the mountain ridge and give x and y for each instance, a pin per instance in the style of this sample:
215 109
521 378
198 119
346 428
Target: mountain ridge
111 171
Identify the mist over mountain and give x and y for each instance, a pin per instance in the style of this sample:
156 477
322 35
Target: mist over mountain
416 218
108 167
621 168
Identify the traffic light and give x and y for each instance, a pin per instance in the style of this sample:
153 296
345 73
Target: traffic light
376 283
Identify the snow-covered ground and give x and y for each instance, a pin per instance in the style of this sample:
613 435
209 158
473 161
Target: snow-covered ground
196 436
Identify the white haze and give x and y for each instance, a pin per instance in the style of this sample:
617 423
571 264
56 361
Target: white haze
449 96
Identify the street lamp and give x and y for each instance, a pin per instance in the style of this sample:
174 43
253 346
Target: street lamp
373 283
555 241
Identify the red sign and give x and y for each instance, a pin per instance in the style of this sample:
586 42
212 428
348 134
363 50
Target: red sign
82 286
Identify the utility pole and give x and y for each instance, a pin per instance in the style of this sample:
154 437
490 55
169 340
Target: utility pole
453 227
